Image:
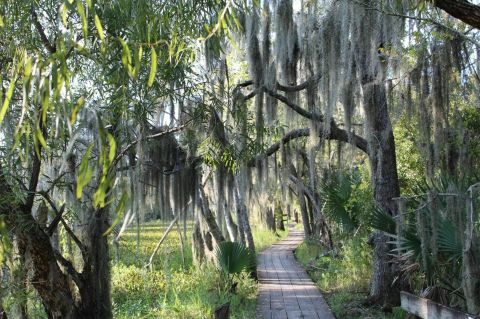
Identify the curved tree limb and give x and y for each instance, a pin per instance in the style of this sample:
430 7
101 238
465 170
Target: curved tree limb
335 134
286 88
299 87
463 10
295 107
148 137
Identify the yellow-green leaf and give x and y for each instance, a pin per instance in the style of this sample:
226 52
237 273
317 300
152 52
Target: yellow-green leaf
8 98
119 212
85 172
1 22
99 27
45 100
83 16
38 141
28 68
138 58
113 147
64 11
40 138
153 67
76 108
126 56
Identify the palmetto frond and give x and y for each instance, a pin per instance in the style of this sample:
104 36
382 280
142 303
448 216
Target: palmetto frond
382 220
449 241
336 194
235 257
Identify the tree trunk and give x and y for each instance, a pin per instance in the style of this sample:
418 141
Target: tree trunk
95 292
385 186
232 228
242 214
270 219
279 217
47 277
208 216
303 210
198 246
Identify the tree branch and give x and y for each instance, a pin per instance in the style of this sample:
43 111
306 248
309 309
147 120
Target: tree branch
148 137
463 10
285 88
51 48
59 218
295 107
335 134
299 87
51 228
69 268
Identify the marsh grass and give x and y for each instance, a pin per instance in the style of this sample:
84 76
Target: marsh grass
344 279
172 289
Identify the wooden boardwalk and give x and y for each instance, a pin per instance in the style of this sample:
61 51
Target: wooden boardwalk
286 291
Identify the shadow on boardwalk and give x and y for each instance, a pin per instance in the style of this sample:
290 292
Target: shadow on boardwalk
286 291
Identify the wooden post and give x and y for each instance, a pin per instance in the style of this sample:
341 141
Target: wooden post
422 234
471 255
402 211
433 208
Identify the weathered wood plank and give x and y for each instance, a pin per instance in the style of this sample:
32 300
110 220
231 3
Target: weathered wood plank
286 291
427 309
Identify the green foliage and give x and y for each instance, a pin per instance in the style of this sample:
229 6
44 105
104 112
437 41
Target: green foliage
410 163
172 291
235 257
344 278
346 199
5 245
449 240
85 172
349 268
382 220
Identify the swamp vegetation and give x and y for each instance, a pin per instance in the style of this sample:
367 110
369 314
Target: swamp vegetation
144 145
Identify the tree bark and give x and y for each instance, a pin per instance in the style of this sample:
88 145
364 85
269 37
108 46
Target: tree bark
462 10
385 186
95 291
242 213
47 277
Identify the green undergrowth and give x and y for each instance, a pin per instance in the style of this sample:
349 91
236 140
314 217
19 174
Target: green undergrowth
343 277
174 289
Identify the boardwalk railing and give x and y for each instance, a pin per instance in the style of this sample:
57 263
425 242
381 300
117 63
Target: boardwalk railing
427 309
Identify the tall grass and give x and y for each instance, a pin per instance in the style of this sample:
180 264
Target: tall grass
344 278
172 289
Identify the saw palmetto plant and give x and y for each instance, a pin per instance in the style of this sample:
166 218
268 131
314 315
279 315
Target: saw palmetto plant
234 257
427 241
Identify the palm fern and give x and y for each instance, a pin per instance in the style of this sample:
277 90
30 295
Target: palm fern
234 257
336 194
382 220
449 241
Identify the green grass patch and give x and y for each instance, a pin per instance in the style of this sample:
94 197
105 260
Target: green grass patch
343 277
172 289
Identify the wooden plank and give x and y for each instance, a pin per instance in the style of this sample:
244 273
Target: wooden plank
427 309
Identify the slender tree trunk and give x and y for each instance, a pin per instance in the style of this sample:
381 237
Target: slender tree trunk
242 214
303 210
232 229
